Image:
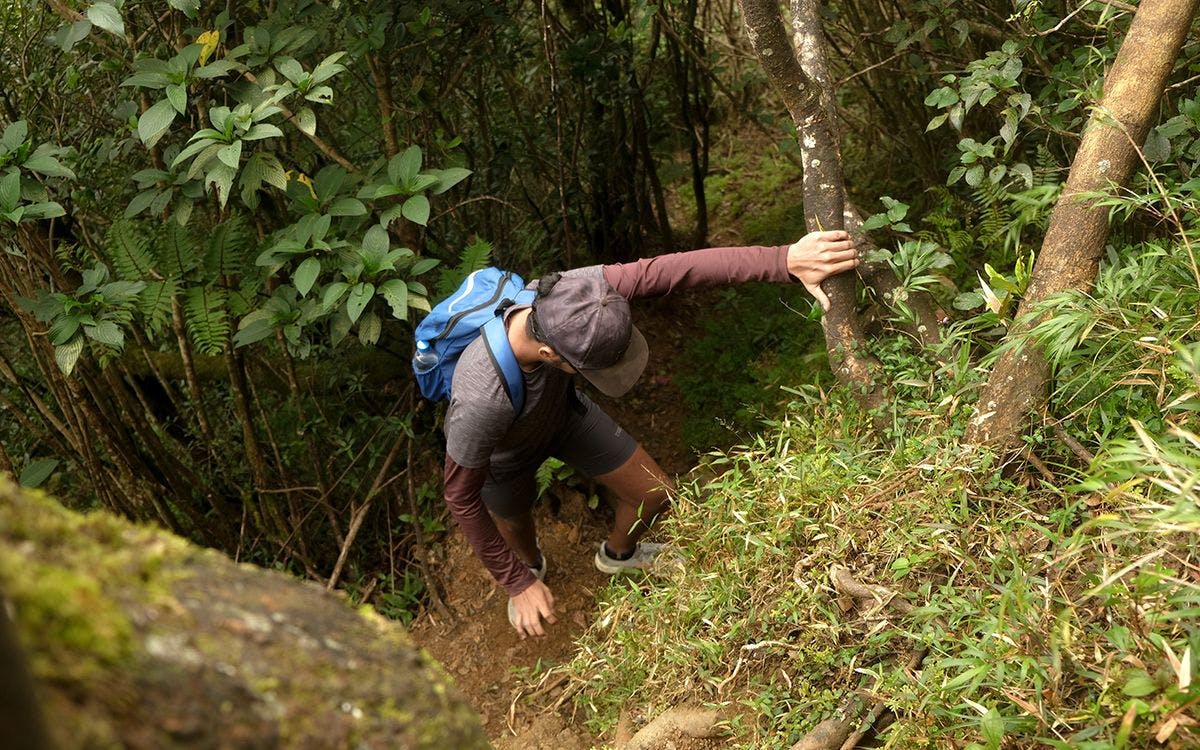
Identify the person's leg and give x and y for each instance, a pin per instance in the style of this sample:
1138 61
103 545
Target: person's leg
594 444
521 534
510 503
643 493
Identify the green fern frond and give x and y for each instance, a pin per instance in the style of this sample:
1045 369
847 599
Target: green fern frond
154 303
129 251
990 200
1047 169
207 319
228 248
475 256
176 250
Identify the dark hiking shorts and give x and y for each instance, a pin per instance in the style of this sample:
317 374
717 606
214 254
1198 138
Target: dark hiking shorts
589 441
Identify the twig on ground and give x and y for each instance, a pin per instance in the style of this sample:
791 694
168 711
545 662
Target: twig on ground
1038 464
1076 447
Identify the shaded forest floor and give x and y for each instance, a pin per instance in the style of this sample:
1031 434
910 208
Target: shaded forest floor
477 646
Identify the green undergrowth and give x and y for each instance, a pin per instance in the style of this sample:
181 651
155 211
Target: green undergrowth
1062 614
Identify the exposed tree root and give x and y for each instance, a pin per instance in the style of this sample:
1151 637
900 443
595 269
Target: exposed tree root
692 722
828 735
845 733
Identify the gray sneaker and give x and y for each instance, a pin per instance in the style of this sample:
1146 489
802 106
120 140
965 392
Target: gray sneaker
643 558
538 573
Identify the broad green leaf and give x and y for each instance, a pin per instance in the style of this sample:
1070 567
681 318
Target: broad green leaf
975 175
448 178
416 209
188 8
992 728
37 471
46 210
290 69
177 96
262 130
389 215
231 155
153 123
67 355
120 292
421 183
253 328
1139 684
106 17
215 69
63 329
191 150
375 241
404 166
359 297
42 162
106 332
320 95
71 34
419 303
1025 172
14 135
968 301
395 292
222 176
348 207
369 329
150 79
339 327
306 120
332 294
306 275
423 265
10 190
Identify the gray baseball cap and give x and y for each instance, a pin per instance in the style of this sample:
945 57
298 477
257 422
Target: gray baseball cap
591 327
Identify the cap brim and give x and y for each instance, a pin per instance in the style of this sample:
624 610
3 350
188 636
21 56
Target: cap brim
616 380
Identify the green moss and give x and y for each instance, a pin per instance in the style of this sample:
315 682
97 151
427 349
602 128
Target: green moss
55 606
76 629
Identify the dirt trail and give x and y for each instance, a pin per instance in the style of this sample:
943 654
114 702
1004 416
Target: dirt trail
478 646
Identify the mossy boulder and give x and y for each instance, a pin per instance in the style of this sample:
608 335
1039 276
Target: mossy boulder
138 639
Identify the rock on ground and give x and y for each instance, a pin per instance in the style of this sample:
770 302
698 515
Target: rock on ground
138 639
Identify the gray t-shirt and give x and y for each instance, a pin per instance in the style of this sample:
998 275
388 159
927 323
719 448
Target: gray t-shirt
480 426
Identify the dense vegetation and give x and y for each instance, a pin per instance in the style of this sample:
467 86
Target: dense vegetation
219 221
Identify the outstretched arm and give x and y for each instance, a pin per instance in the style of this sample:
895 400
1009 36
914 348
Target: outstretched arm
811 260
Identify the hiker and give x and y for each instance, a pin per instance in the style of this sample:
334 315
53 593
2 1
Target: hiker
579 323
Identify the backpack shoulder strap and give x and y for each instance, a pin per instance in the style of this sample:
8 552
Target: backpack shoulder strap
495 338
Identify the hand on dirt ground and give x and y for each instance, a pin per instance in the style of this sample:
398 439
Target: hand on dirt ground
819 255
531 605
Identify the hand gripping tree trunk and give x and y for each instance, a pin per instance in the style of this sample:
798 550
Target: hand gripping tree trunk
824 194
1018 386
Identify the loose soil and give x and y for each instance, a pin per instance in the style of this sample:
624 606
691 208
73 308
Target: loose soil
477 645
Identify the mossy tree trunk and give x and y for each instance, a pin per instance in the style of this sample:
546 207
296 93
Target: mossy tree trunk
1018 387
824 192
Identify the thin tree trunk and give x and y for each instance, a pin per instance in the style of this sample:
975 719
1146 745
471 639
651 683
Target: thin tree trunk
824 193
1018 387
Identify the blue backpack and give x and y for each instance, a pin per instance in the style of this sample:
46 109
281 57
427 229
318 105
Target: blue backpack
475 308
